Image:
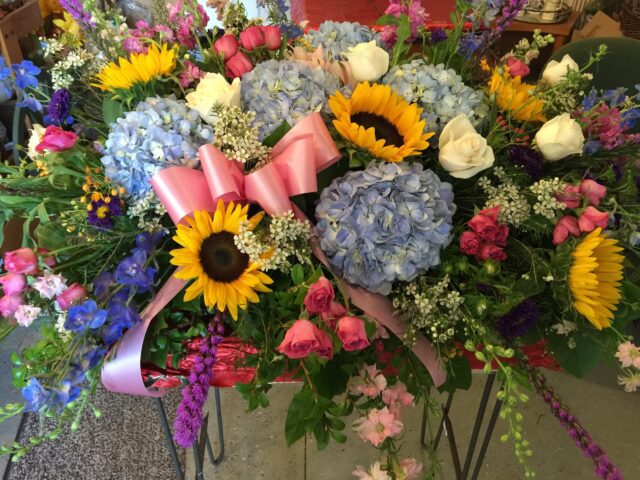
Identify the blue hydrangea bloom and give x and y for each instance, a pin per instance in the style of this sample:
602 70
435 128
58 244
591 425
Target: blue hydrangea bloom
132 272
83 316
439 91
159 133
35 395
338 37
386 223
279 91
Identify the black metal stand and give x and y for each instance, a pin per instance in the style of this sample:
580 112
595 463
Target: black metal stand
462 472
204 441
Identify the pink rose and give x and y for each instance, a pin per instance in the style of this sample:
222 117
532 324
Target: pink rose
469 243
302 338
592 218
49 260
272 37
330 317
23 260
352 334
9 304
227 45
325 348
566 226
71 296
252 37
13 283
319 297
238 65
56 139
489 251
485 224
517 68
570 197
593 191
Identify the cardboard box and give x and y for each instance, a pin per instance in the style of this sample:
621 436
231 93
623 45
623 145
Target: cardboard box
600 25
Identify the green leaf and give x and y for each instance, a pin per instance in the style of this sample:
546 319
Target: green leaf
50 237
388 20
301 405
275 136
458 374
111 110
577 361
322 435
297 274
338 437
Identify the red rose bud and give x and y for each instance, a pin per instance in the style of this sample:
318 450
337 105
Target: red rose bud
485 224
238 65
73 295
517 68
227 45
469 243
252 38
272 37
489 251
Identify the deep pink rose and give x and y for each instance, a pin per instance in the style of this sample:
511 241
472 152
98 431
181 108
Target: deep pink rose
252 37
13 283
49 260
319 297
325 347
517 68
592 218
485 224
302 338
469 242
593 191
501 236
24 260
238 65
489 251
71 296
272 37
56 139
570 197
227 45
9 304
352 333
566 226
330 317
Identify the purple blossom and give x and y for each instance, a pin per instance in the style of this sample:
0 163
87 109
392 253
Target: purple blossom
438 35
59 107
77 11
469 44
528 159
510 10
189 414
101 211
519 320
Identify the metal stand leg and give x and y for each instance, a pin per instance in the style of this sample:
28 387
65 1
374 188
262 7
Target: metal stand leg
212 458
167 435
478 423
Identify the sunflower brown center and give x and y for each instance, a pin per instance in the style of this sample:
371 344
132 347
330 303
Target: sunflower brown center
220 258
385 130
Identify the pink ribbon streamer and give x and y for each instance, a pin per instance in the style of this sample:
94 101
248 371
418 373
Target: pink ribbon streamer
296 160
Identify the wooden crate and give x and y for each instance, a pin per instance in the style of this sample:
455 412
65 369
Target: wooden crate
17 25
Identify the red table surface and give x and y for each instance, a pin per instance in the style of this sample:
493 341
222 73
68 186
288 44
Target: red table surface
366 12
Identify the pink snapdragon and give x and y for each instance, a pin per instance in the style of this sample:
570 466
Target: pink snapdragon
369 383
417 17
411 468
190 74
591 218
397 397
566 226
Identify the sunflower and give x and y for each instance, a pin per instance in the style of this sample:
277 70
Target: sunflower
594 278
140 68
515 97
377 119
226 276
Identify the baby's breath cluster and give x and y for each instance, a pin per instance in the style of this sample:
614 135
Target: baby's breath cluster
275 246
236 137
148 212
514 206
546 203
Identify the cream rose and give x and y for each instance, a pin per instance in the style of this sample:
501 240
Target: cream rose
368 61
560 137
463 151
556 71
37 132
213 89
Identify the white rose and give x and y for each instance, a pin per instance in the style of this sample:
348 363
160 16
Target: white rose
463 151
560 137
556 71
368 61
211 90
37 132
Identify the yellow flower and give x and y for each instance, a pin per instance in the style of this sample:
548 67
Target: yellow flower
379 120
515 97
140 68
68 25
226 277
594 278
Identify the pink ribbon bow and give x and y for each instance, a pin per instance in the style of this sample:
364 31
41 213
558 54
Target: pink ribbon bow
296 160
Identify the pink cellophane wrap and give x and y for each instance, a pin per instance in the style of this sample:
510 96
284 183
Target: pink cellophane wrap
296 160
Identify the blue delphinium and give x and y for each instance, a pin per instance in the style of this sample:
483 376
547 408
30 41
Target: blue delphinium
159 133
439 91
280 91
386 223
337 37
25 74
87 315
121 318
35 395
132 271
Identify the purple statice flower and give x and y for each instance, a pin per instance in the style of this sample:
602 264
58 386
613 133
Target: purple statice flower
189 414
438 35
100 212
519 320
529 159
59 107
77 11
603 466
